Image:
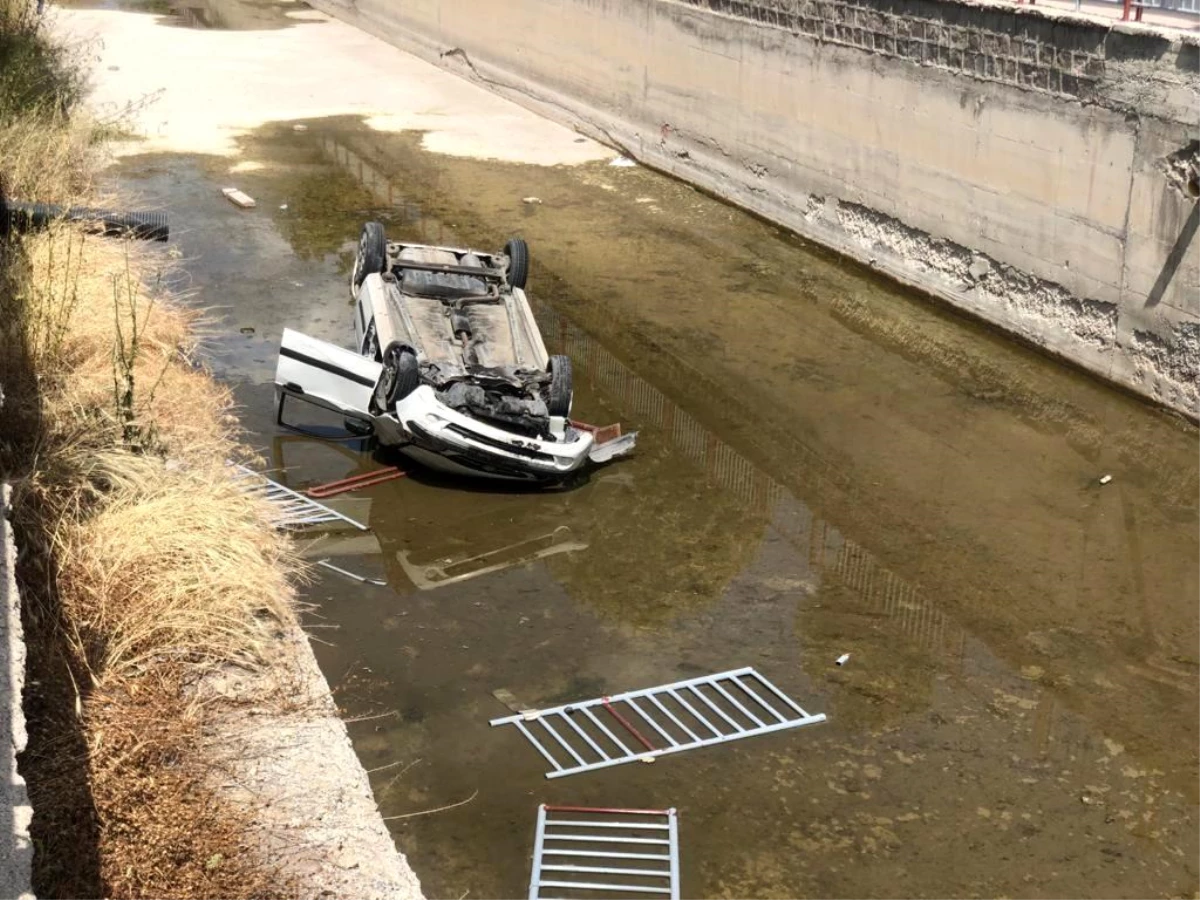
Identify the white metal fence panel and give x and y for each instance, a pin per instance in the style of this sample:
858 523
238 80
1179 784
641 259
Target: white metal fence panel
594 851
609 731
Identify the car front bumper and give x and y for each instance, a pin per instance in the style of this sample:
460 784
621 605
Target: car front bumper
467 442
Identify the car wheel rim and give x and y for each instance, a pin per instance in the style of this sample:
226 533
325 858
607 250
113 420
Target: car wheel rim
386 380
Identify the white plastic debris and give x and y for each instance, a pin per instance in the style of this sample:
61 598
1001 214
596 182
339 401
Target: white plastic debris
531 199
1106 479
843 659
283 206
238 198
299 128
623 162
609 450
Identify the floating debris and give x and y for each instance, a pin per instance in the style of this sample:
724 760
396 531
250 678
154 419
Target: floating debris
355 482
623 162
238 198
326 564
1106 479
509 699
843 659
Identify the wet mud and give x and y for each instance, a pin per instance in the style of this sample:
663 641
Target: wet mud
827 465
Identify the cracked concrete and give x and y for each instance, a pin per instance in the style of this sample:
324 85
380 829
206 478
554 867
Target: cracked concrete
912 143
289 763
16 849
1037 305
1156 354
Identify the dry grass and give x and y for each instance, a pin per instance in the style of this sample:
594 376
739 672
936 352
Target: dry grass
143 568
93 303
37 75
47 155
151 569
155 827
182 568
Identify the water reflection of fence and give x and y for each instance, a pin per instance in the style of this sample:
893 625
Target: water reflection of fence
379 186
821 545
899 600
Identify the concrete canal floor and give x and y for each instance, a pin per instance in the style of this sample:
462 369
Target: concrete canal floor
826 465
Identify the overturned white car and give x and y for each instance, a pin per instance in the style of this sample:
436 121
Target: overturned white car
448 365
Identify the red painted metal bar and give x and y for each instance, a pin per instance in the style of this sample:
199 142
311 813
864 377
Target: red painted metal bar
628 725
354 483
605 809
602 433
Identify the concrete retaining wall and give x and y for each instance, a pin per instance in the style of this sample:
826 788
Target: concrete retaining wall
16 848
1027 168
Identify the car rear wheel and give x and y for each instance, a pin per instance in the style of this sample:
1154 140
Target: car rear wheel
517 252
371 255
558 399
400 377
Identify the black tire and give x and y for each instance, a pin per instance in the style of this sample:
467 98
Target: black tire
558 395
400 377
371 255
517 252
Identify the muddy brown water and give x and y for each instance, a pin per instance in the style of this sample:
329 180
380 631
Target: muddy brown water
826 465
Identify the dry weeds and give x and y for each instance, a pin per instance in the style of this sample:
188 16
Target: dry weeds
183 568
149 567
156 828
143 567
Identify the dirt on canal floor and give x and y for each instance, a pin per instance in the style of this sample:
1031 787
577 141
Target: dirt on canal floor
826 465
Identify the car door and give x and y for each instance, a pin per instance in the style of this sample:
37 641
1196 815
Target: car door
326 375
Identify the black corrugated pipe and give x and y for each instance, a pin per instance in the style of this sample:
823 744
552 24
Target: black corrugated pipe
146 226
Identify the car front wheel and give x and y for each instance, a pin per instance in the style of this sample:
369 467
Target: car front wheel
400 377
558 395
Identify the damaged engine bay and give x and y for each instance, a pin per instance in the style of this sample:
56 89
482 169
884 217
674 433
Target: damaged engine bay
493 395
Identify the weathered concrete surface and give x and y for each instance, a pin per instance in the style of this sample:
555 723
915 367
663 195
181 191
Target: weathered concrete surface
1011 163
16 850
192 95
289 763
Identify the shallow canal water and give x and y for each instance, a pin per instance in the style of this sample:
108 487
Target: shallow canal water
826 465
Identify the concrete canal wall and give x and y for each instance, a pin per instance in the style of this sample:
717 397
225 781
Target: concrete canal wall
1033 169
16 848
